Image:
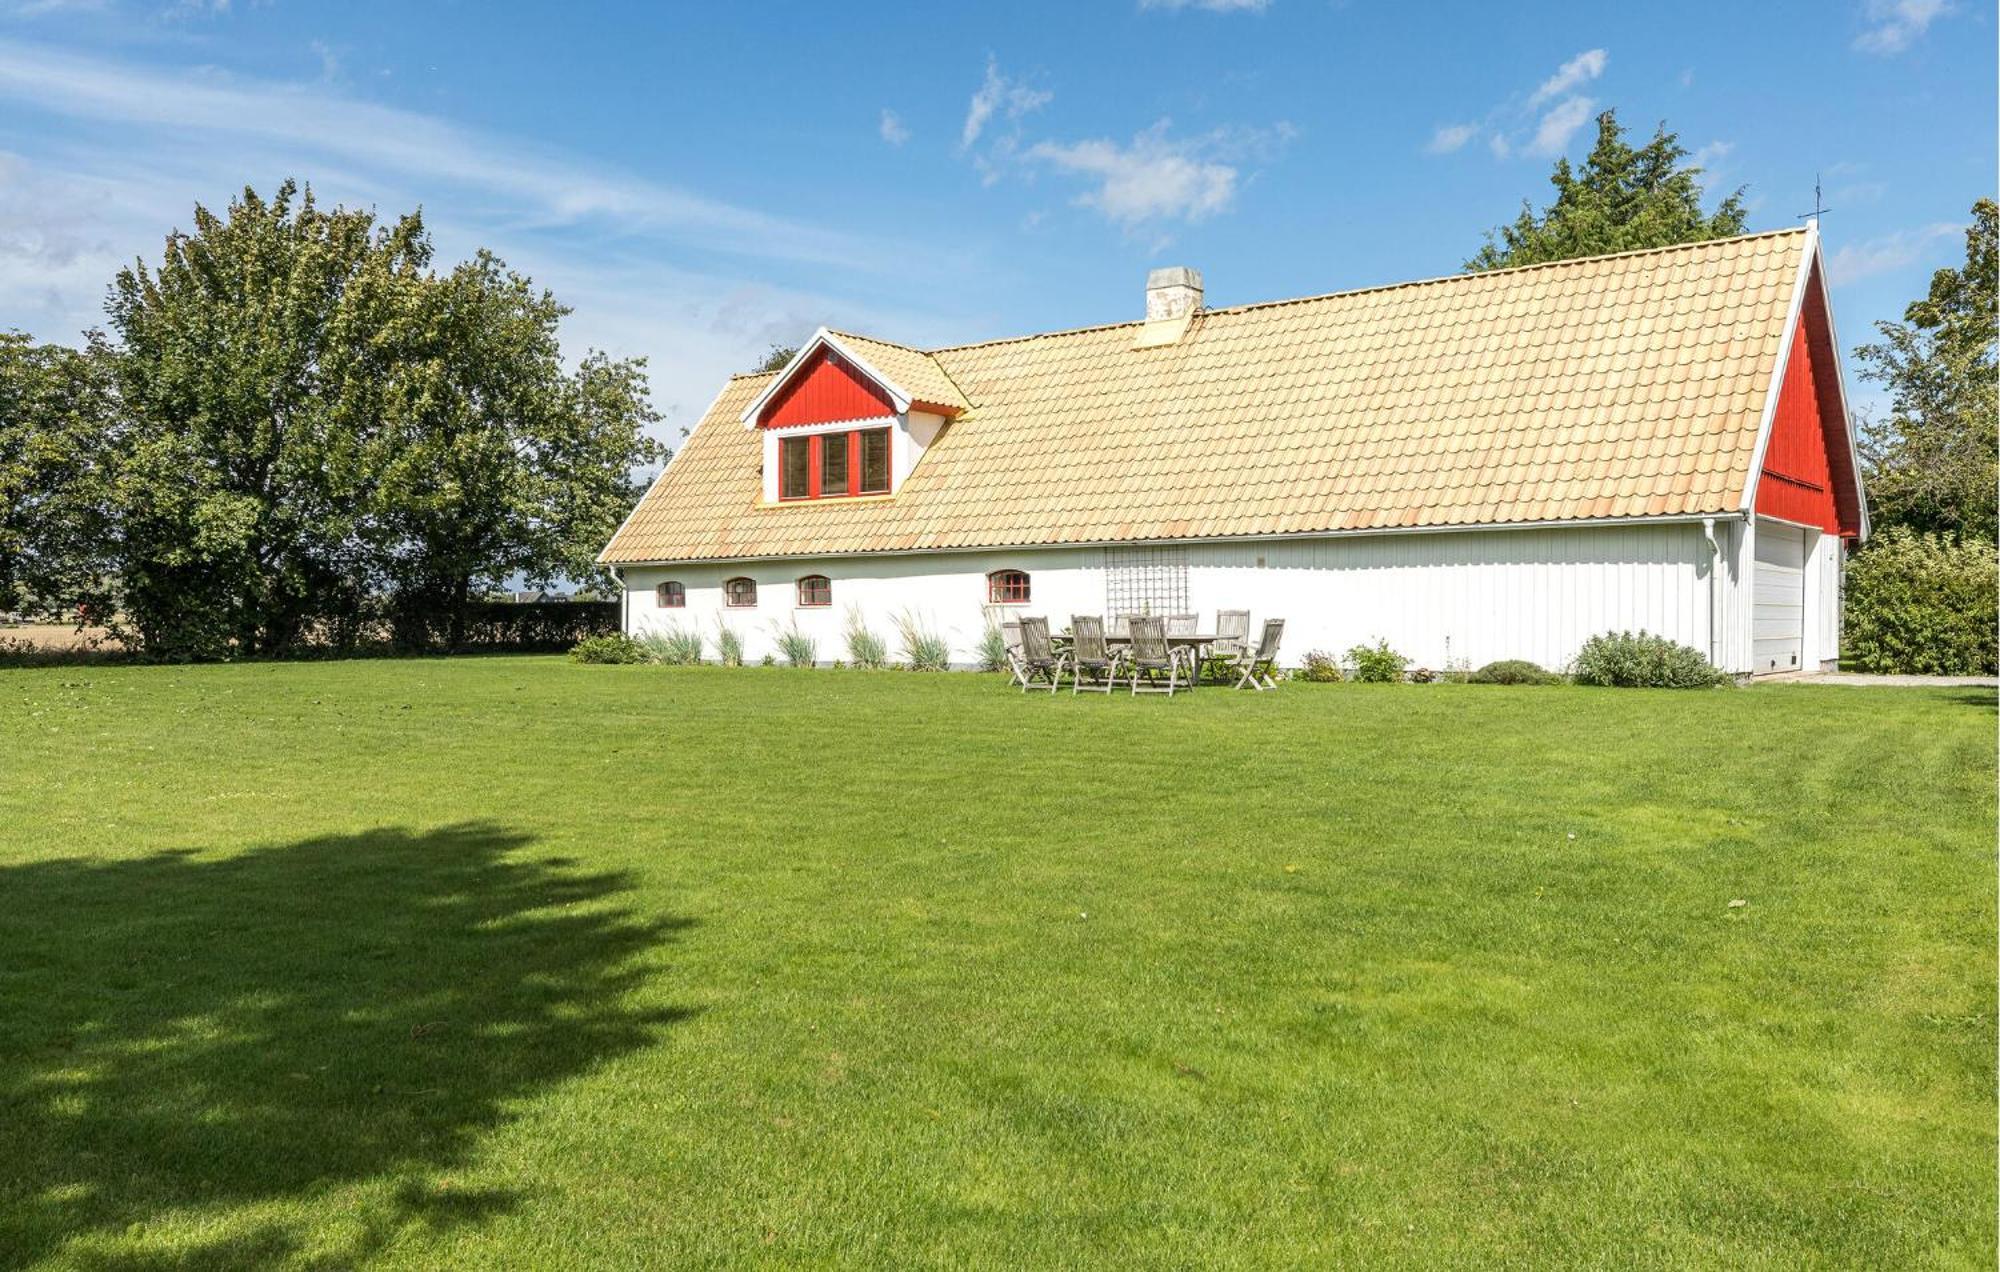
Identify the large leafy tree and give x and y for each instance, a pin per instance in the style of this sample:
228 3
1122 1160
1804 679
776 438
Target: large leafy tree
246 363
325 431
496 461
1622 199
1930 459
57 430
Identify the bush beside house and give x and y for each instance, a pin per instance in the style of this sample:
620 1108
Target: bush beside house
1922 604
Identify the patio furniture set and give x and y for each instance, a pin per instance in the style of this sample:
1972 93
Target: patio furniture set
1149 652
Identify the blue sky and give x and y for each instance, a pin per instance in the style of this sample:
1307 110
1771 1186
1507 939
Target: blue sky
700 180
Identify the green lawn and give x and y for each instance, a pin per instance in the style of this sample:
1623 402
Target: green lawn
509 961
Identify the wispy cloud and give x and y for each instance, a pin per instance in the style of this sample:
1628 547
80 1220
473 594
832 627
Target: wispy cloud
892 128
1450 137
1213 6
108 156
1157 177
316 120
1552 134
1579 70
1540 122
1854 261
1894 25
997 94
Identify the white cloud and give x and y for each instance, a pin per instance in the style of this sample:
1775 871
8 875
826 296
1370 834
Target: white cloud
660 272
314 121
1158 177
998 94
1521 125
1894 25
1213 6
1553 133
1854 261
892 128
1450 137
1581 69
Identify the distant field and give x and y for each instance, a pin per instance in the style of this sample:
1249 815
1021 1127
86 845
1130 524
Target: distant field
56 636
505 961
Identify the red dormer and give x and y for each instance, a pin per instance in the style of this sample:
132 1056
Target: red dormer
848 418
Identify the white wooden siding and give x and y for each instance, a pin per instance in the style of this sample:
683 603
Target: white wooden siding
1467 598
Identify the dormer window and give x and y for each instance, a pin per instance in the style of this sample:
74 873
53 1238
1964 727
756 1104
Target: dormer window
848 417
834 465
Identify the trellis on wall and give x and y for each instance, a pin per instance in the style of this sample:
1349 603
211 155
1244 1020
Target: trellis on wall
1145 580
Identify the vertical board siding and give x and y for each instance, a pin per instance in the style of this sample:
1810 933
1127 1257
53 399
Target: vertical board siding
1464 598
826 390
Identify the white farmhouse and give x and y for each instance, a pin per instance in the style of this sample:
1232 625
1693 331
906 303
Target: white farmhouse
1485 466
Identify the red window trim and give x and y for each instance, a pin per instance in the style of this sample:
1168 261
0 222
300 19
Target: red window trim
997 580
729 600
815 446
676 599
800 593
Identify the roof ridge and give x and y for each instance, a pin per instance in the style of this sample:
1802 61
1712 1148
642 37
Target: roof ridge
1432 281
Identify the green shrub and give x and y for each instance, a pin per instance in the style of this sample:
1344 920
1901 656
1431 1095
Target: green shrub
613 647
799 649
1512 671
863 646
728 645
923 648
1640 661
1377 663
1920 603
1320 668
676 647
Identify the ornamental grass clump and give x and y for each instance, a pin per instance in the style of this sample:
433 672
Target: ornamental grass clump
992 648
1627 660
865 648
799 649
728 645
923 649
1377 663
674 647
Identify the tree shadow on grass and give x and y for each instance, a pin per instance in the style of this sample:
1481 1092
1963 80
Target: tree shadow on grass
190 1036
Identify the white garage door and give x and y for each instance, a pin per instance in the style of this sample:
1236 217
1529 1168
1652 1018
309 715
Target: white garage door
1778 614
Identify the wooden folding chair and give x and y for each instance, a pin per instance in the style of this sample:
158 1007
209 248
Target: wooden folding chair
1039 660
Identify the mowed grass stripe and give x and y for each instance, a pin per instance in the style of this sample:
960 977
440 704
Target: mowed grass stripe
508 960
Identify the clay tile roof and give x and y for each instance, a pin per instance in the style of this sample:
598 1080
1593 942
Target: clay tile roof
915 372
1622 385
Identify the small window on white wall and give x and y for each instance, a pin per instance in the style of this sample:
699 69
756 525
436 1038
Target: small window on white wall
670 596
739 593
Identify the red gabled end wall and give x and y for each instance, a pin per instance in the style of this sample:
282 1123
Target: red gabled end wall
1808 472
826 389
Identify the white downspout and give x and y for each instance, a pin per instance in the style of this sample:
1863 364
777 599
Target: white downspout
1714 567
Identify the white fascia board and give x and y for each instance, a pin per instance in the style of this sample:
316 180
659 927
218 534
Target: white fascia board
823 339
1840 386
1776 388
1573 523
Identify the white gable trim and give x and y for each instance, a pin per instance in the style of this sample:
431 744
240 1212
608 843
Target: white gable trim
1776 388
824 339
1811 267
